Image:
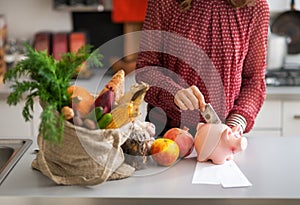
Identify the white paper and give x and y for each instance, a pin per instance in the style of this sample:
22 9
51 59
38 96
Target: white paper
227 174
232 176
206 173
192 154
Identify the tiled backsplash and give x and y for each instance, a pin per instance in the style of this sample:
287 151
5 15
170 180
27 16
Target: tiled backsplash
46 18
276 8
282 5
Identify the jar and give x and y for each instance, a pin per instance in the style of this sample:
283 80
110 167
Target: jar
277 51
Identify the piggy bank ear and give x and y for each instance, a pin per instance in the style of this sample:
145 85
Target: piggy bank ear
200 124
237 129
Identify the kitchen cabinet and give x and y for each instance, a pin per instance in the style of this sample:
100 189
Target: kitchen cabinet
93 8
96 6
278 118
291 118
270 115
12 123
269 120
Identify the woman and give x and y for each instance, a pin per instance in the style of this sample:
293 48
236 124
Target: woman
195 52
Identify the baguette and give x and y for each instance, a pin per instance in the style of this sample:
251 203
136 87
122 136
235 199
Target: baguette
117 84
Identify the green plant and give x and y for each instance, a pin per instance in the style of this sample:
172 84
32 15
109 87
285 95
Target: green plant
49 80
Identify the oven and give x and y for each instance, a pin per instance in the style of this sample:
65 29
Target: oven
287 76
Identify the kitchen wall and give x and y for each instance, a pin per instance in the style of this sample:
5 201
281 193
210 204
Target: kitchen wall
282 5
26 17
277 7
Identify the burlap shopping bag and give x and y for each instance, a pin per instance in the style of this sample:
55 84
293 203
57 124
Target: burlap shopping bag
85 157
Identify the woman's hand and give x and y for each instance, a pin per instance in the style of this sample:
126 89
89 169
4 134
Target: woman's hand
190 99
237 123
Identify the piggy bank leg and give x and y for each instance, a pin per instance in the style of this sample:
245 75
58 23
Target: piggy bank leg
221 159
230 157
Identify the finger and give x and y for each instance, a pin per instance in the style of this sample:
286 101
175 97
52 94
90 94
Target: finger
183 96
179 103
193 99
198 94
200 97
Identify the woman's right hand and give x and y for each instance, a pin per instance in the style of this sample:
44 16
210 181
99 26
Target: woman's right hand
190 99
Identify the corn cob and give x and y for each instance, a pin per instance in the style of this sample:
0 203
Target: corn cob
121 115
136 90
129 109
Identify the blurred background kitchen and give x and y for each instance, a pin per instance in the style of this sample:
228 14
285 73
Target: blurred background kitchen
59 25
64 25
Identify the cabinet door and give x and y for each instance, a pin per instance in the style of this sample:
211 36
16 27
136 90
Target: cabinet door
268 120
269 116
291 118
12 123
263 133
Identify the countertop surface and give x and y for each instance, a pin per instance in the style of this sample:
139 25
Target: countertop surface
271 165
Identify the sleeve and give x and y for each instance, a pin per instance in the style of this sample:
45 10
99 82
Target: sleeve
150 66
253 89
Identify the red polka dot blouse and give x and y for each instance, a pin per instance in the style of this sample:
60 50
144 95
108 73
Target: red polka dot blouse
220 49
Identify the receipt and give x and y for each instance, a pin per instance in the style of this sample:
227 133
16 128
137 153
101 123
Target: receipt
227 174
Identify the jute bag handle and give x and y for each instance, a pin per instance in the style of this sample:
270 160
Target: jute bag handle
79 180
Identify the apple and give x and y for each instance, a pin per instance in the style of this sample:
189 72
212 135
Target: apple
164 151
183 138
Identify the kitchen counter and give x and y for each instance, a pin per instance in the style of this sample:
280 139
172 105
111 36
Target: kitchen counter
270 164
283 93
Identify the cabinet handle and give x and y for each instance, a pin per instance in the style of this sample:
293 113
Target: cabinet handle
297 117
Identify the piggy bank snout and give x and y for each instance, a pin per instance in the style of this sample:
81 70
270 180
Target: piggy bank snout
241 144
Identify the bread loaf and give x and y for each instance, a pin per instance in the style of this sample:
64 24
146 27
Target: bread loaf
117 84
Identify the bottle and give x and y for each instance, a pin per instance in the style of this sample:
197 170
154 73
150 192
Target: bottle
3 30
3 37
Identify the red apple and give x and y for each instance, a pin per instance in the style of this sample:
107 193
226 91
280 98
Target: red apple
164 151
183 138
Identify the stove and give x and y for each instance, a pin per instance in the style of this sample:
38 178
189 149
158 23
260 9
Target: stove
283 77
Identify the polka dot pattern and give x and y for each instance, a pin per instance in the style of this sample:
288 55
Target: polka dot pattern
234 42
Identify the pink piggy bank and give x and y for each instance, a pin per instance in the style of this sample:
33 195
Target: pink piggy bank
218 142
